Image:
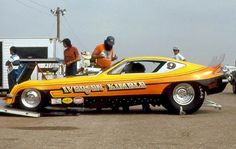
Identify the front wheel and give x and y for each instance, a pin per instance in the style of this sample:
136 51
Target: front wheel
189 96
31 100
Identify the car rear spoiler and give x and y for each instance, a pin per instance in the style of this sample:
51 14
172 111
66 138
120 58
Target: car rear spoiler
217 61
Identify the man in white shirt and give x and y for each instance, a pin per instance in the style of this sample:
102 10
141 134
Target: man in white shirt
177 54
13 64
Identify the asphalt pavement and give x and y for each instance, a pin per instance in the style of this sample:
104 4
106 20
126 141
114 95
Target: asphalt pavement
207 128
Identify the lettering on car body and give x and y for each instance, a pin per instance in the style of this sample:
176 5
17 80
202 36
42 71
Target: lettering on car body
126 86
87 89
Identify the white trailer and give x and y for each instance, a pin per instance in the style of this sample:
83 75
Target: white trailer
27 48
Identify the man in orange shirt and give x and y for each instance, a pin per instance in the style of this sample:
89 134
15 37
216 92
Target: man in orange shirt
71 56
104 53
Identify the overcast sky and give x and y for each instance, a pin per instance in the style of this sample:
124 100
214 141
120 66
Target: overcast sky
200 28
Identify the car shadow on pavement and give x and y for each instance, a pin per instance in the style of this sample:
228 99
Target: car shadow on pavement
110 112
54 113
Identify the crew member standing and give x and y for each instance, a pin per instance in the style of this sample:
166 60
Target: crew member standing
104 53
177 54
71 56
13 68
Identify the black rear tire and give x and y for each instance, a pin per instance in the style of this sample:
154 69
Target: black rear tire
189 96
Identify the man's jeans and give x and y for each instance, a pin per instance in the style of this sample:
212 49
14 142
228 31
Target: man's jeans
71 70
12 76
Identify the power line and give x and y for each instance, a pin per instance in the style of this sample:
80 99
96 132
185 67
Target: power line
52 32
26 5
57 13
41 5
73 32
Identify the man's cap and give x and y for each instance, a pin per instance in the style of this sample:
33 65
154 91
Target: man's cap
176 48
110 40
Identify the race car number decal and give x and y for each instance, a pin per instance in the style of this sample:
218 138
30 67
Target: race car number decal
171 65
126 86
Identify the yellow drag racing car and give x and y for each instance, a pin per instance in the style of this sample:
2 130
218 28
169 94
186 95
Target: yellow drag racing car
131 81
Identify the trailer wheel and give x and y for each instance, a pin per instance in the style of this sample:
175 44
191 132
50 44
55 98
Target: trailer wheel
31 100
188 96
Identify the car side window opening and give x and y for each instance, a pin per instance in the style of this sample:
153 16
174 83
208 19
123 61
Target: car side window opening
142 66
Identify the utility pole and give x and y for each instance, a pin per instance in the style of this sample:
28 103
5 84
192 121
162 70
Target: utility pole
58 12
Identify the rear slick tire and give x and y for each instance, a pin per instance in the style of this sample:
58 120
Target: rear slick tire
189 96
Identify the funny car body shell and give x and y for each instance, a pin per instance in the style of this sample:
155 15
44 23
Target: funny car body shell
113 82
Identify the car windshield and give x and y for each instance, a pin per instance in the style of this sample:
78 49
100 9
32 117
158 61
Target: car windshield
94 70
